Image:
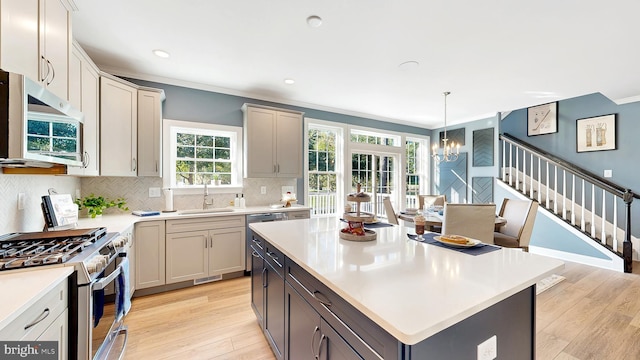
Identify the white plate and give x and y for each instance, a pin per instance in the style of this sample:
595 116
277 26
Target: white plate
470 243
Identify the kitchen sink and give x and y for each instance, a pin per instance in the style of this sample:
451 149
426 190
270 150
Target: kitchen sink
204 211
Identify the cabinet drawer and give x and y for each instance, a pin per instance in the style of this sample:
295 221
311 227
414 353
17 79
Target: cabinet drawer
39 315
274 257
206 223
294 215
365 336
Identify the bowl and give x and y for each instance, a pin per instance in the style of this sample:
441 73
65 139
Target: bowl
411 211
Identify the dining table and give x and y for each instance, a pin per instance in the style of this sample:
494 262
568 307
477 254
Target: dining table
434 219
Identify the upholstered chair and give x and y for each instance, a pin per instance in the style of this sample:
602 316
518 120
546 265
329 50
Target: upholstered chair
520 216
431 200
392 218
476 221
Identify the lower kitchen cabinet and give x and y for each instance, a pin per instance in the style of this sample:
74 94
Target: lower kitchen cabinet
304 326
149 242
267 293
204 247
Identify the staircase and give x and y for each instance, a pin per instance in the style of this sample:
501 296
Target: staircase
596 207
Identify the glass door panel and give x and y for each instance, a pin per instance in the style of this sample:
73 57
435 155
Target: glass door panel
377 174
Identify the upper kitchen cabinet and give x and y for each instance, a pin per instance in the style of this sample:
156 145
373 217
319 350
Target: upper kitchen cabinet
35 40
118 127
272 142
55 46
19 45
84 94
149 131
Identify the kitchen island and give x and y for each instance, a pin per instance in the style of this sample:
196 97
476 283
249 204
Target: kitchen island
391 298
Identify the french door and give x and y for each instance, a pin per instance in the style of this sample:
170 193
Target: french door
378 174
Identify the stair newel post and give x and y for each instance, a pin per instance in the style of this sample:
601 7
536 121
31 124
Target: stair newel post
627 246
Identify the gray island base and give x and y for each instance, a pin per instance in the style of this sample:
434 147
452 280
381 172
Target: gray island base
315 299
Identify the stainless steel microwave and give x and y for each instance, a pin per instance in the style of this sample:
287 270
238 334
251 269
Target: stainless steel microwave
37 128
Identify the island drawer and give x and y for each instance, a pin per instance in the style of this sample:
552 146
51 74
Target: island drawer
274 257
365 336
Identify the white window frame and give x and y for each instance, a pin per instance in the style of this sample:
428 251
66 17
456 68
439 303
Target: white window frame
171 127
341 130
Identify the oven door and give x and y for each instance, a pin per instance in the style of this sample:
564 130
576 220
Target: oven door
105 333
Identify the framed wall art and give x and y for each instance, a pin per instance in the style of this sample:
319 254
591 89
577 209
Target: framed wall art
542 119
596 133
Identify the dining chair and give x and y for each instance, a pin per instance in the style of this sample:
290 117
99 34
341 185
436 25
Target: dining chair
520 216
476 221
392 218
437 200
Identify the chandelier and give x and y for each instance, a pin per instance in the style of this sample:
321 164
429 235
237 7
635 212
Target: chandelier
448 153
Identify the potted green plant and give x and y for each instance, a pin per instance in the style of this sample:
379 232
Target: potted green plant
216 179
95 205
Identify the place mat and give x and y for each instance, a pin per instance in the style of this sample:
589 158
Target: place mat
373 225
476 250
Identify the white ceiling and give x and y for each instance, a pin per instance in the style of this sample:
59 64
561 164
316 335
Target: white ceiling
493 55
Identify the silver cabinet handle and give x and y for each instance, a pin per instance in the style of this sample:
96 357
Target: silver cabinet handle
41 317
274 168
274 258
320 345
321 298
255 254
206 242
53 72
313 336
44 75
264 283
278 167
85 160
135 164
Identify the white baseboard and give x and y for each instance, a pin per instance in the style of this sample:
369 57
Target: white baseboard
614 263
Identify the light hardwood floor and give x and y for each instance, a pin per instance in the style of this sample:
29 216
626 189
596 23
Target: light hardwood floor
593 314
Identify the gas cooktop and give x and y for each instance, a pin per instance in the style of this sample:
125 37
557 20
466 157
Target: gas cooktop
22 250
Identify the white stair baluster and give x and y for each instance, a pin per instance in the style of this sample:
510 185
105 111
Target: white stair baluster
573 199
593 211
615 223
531 176
603 234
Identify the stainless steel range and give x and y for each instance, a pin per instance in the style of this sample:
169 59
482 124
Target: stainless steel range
99 258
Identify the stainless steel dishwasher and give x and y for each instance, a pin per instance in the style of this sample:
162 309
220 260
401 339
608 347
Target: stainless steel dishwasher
256 218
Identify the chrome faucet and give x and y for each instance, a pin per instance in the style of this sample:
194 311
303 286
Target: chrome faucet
206 201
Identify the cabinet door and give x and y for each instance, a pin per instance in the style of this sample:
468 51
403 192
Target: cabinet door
19 44
333 346
90 109
257 285
149 240
274 310
302 327
84 88
226 253
58 331
260 151
289 145
187 256
149 138
118 128
55 46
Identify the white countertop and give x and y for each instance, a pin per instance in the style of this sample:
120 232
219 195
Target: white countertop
120 222
411 289
21 289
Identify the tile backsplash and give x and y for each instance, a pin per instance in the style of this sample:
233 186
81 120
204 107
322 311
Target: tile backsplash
33 187
135 190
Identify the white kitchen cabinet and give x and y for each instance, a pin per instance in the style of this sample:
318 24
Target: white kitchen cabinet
204 247
55 46
45 320
58 331
118 127
35 40
84 94
149 265
272 142
19 45
149 131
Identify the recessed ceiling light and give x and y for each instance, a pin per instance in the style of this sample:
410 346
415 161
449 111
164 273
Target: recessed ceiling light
161 53
409 65
314 21
289 81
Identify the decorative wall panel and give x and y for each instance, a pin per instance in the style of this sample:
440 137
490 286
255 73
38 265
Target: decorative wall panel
451 179
482 189
483 147
455 135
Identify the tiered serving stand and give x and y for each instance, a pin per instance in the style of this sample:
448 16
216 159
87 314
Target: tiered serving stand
355 230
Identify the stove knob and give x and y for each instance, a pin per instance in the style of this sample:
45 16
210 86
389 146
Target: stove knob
104 260
91 268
